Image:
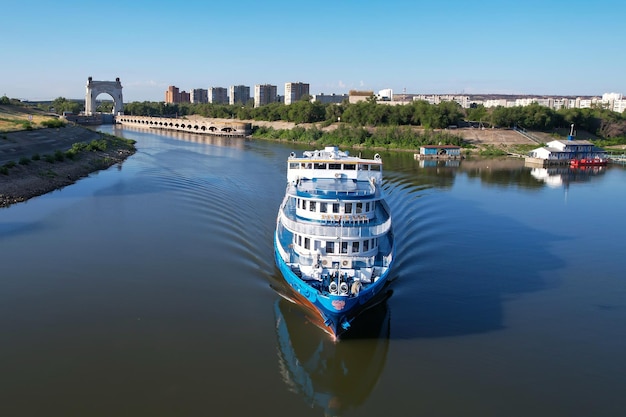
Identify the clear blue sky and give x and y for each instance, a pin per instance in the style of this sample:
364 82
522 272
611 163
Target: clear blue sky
553 47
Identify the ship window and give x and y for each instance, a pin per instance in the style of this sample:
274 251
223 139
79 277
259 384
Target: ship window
348 208
299 240
364 167
323 208
330 247
355 247
312 205
319 165
375 168
294 165
307 243
350 167
367 207
334 166
359 208
373 244
335 207
366 246
344 247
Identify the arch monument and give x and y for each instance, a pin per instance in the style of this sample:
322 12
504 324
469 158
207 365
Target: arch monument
95 88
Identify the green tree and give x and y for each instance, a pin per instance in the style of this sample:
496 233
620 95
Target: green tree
61 104
105 107
477 114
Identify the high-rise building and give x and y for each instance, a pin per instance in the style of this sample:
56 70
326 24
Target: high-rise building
173 95
218 95
295 91
264 94
239 94
199 95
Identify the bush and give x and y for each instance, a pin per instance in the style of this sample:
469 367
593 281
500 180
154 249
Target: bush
36 157
49 158
24 160
78 147
97 145
59 155
4 170
53 123
10 164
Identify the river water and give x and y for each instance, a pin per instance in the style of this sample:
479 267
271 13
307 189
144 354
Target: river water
150 289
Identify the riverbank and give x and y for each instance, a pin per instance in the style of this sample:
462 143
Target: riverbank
477 140
30 174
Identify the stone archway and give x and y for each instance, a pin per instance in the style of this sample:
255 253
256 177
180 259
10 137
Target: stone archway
95 88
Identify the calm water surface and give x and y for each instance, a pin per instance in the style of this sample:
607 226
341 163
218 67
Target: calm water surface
150 290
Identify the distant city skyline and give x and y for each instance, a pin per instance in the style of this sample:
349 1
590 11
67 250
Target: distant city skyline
554 48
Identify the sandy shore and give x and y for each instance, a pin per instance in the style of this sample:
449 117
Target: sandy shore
24 181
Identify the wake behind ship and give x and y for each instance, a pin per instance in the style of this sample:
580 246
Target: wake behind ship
334 240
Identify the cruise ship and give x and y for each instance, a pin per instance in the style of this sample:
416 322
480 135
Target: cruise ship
334 240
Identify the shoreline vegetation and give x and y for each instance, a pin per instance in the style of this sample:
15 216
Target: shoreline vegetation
363 125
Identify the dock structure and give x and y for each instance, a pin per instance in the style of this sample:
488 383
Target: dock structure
438 152
207 127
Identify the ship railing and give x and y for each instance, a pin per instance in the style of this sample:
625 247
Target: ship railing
343 193
336 230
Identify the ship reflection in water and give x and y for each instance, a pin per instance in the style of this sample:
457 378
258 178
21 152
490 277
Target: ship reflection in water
335 377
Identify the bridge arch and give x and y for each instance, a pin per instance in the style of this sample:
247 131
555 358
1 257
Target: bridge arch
95 88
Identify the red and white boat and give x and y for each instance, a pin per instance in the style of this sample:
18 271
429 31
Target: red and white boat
588 162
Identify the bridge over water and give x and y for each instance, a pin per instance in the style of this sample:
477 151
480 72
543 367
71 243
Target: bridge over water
205 126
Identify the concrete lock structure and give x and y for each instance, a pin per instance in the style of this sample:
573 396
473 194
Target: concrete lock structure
95 88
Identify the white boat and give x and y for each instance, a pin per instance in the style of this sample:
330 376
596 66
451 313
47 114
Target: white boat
334 240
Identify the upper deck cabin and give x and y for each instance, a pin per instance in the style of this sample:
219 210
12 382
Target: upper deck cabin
335 164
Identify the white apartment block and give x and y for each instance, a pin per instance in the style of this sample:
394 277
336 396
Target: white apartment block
612 101
464 101
619 105
265 94
295 91
332 98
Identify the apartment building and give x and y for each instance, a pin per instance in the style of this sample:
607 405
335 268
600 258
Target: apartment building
239 94
199 95
218 95
295 91
331 98
265 94
174 95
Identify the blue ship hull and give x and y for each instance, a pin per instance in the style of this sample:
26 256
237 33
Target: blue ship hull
335 311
